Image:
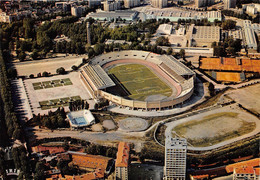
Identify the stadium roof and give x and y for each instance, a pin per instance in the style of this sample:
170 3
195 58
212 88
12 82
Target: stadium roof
175 65
98 76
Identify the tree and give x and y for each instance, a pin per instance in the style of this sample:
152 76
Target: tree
74 68
229 24
61 70
12 73
162 41
39 171
53 162
182 53
99 49
45 74
21 56
211 89
169 51
31 76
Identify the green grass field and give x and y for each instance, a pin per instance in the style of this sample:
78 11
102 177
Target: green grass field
140 81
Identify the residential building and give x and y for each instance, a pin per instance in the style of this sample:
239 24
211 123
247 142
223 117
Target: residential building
251 8
159 3
77 10
91 162
131 3
204 3
245 172
111 6
65 6
92 3
48 149
229 4
175 158
122 161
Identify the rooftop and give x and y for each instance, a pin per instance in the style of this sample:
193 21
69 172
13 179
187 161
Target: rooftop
230 64
89 161
99 77
176 143
253 163
122 155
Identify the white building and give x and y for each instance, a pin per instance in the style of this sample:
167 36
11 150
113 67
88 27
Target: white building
159 3
175 158
251 8
249 35
79 119
111 6
164 29
131 3
77 10
229 4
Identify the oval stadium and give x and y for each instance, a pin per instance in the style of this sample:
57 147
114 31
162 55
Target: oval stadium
138 80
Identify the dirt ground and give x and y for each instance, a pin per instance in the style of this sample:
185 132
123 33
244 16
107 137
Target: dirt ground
49 65
219 126
109 124
249 97
226 123
133 124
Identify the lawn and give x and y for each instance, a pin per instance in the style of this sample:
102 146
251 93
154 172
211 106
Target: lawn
51 84
55 103
213 129
139 81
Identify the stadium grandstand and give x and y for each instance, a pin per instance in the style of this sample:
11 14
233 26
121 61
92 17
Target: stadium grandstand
176 75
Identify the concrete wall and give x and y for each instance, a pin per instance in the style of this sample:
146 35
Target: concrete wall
145 105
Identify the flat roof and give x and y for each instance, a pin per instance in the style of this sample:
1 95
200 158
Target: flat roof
176 143
230 64
113 14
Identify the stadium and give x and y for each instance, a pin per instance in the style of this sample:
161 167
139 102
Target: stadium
138 80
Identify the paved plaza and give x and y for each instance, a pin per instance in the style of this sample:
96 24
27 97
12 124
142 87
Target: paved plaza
62 92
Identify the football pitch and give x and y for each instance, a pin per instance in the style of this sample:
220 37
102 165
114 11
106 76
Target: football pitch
139 81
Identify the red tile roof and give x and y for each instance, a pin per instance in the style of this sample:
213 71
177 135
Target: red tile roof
253 163
50 149
245 170
89 161
122 155
257 171
230 64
